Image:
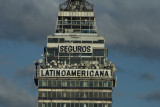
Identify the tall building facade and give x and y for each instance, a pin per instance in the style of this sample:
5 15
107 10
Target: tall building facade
74 70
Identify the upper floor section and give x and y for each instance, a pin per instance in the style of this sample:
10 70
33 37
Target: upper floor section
76 16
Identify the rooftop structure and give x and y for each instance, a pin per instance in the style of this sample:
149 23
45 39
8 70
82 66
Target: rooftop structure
75 70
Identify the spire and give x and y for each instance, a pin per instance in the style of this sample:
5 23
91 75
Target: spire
76 5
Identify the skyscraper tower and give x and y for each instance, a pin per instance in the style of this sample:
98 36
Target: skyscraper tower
75 70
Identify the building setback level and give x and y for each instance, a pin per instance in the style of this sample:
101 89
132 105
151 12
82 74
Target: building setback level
75 70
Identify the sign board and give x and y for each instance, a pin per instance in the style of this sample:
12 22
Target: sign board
50 72
74 49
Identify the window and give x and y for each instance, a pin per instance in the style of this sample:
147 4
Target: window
59 95
52 40
39 104
86 41
53 104
61 40
40 83
109 105
109 95
98 52
109 83
44 83
99 41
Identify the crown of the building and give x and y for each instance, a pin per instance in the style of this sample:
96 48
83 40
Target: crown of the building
76 16
76 5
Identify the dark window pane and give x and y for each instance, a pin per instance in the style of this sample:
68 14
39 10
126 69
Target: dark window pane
53 94
53 104
91 105
59 95
61 40
86 41
76 104
39 104
98 52
72 104
52 40
95 105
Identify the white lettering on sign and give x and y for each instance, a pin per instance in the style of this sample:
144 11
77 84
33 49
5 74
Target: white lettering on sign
74 49
74 73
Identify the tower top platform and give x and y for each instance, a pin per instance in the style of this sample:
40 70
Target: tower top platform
76 5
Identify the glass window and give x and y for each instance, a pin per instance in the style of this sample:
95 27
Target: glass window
44 94
49 83
96 84
81 83
49 104
72 104
64 83
54 83
68 105
83 105
52 40
81 94
44 83
100 105
105 95
54 95
52 51
72 94
39 104
90 83
58 104
100 95
76 104
63 105
76 41
49 94
109 95
86 41
40 94
98 52
95 94
109 105
54 105
105 84
68 95
72 84
100 84
58 94
64 94
105 105
90 94
77 84
109 83
91 105
85 84
61 40
68 83
44 104
77 94
40 83
59 83
95 105
86 95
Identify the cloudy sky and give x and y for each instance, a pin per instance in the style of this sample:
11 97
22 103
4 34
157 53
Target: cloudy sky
131 28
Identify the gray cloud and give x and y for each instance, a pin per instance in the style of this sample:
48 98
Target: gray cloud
25 20
152 96
11 95
147 76
25 76
130 26
26 72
